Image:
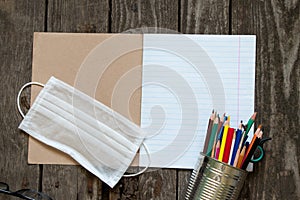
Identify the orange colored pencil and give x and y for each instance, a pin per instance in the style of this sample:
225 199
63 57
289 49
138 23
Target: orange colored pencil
255 137
237 155
247 157
241 157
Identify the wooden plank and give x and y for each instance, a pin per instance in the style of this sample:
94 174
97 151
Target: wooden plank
131 14
19 19
60 182
276 25
209 16
127 188
201 17
162 16
158 184
89 187
72 182
183 177
77 16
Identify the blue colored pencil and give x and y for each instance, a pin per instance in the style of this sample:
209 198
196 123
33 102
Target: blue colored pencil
236 144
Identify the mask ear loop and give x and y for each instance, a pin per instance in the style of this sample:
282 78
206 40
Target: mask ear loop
143 170
20 92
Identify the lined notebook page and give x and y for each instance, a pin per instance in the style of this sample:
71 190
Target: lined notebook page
184 78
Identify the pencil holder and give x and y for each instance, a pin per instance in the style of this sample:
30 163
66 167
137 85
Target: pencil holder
212 179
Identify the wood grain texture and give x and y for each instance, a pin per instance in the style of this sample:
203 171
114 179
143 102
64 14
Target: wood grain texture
276 25
127 188
183 178
131 14
72 182
78 16
162 16
205 17
60 182
158 184
201 17
18 21
89 187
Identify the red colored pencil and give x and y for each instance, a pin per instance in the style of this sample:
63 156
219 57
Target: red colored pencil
228 145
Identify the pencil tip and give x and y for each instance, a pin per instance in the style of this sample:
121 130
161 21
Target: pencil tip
254 116
241 125
260 134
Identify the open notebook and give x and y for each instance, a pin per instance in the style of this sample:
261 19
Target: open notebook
184 77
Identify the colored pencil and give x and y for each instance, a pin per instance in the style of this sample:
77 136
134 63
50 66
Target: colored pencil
241 157
250 122
228 144
236 143
209 127
255 137
212 136
218 149
237 156
251 149
232 147
220 135
223 140
236 159
221 121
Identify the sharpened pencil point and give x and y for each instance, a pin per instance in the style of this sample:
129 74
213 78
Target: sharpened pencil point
260 126
254 116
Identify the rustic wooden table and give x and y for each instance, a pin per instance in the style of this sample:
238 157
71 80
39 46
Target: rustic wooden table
276 24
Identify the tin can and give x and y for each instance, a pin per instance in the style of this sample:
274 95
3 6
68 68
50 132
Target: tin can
212 179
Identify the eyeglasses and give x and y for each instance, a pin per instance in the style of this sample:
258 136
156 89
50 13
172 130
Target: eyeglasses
28 194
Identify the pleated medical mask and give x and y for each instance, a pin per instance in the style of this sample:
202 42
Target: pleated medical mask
101 140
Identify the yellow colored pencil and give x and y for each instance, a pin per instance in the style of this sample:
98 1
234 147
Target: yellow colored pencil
223 141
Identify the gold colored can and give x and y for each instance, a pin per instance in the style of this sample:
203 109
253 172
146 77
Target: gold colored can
212 179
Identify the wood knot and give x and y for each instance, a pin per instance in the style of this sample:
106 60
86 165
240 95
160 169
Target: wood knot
86 28
25 182
158 185
90 186
134 7
56 184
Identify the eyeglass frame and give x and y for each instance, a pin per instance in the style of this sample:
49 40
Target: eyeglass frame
19 194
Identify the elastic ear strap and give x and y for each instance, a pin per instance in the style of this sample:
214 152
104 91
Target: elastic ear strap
20 92
143 170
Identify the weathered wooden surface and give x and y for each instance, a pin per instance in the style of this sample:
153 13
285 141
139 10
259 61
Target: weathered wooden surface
18 21
72 182
276 25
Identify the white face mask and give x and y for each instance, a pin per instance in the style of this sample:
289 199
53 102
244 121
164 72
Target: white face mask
101 140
